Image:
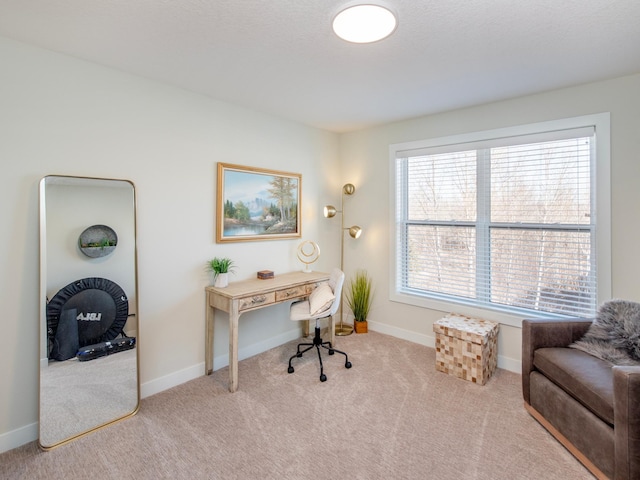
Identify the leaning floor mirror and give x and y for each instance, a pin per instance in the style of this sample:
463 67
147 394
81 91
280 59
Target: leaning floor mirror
88 296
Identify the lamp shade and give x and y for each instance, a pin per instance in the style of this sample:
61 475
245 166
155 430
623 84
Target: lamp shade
330 211
355 231
348 189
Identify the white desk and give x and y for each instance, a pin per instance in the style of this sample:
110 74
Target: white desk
248 295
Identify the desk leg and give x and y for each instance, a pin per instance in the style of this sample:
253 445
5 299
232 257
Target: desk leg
233 347
208 347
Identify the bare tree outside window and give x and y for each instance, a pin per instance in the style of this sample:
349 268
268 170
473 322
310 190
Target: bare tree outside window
504 225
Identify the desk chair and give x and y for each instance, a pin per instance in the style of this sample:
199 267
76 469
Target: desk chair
322 303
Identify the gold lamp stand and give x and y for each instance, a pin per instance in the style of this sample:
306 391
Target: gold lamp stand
355 231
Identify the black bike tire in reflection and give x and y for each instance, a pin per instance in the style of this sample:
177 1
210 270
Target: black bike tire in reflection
102 306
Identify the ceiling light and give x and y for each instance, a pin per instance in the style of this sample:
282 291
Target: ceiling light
364 23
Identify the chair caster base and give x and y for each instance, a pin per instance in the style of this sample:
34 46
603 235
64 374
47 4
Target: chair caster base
317 343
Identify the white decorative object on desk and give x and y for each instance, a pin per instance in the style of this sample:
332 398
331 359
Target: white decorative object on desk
308 253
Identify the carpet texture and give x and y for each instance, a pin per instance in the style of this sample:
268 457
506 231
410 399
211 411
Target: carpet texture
77 396
391 416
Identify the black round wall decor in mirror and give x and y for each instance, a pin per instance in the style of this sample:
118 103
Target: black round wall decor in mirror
97 241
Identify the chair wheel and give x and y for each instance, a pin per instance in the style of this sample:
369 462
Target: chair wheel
290 369
323 378
331 351
348 365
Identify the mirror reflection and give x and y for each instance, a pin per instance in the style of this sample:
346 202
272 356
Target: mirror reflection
89 326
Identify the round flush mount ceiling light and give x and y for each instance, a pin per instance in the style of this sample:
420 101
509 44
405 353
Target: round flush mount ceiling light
364 23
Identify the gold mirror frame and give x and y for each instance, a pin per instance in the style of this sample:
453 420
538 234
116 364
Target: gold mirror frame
78 397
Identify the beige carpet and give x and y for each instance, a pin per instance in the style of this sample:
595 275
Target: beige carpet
391 416
78 396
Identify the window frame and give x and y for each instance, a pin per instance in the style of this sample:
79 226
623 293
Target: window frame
601 188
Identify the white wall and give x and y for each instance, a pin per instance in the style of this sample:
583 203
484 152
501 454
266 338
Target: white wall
59 115
365 160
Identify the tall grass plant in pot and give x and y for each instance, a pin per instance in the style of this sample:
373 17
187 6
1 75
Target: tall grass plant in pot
359 297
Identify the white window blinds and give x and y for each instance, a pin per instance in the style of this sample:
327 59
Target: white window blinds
506 223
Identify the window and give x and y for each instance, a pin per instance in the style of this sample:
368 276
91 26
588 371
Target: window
505 220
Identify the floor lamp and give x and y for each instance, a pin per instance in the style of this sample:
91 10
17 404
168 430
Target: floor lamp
354 232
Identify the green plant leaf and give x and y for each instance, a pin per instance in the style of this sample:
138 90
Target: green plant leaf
219 265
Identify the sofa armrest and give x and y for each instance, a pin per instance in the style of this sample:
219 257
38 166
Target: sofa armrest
542 333
626 416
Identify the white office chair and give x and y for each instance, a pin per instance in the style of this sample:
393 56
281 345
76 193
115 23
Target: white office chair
322 303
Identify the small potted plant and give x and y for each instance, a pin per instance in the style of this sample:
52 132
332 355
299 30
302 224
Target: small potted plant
359 296
220 268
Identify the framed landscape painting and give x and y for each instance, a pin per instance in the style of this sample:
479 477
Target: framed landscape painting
257 204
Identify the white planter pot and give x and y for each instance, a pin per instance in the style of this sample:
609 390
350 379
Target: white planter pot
222 280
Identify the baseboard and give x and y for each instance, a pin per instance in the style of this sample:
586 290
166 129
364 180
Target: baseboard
171 380
397 332
177 378
222 361
505 363
18 437
510 364
181 376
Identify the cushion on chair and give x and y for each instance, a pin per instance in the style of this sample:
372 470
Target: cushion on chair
321 299
299 311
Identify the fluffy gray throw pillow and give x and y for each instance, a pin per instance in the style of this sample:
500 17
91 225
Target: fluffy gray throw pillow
614 335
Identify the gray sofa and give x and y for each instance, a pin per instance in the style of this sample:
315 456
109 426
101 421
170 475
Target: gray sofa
588 405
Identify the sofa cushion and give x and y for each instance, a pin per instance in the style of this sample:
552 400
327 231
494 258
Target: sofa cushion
586 378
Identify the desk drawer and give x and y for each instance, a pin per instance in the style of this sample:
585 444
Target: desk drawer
256 301
293 292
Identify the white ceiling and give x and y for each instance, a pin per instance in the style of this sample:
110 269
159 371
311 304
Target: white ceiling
281 57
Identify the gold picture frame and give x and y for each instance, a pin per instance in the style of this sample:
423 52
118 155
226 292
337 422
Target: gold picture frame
255 204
